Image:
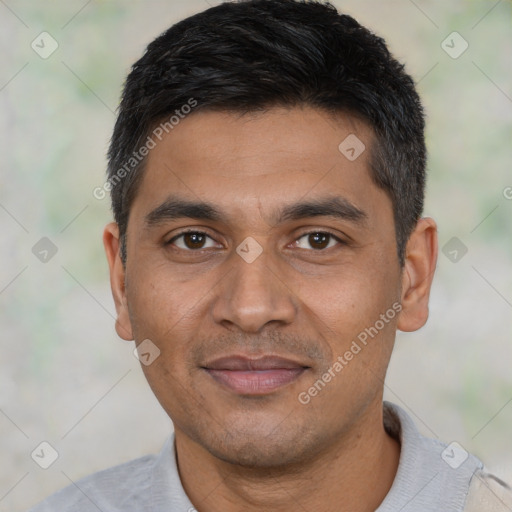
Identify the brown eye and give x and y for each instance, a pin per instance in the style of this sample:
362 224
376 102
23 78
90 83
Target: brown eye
192 240
317 240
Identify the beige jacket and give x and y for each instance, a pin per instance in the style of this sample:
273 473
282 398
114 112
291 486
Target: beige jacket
487 493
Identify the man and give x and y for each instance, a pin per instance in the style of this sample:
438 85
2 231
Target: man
267 174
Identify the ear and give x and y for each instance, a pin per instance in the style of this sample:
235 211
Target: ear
117 280
417 275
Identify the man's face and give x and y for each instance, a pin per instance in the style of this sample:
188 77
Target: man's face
242 334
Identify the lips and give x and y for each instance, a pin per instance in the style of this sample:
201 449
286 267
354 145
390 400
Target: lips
249 376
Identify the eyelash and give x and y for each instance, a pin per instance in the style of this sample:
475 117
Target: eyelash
314 232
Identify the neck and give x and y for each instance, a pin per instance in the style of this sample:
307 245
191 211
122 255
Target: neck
355 473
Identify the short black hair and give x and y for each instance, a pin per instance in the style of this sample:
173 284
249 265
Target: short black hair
253 55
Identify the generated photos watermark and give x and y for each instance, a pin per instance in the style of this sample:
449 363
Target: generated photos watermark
138 156
355 348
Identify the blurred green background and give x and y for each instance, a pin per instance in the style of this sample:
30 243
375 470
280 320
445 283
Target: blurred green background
67 379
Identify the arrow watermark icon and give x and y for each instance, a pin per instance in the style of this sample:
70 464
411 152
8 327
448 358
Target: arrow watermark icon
44 455
352 147
454 249
146 352
249 249
44 250
44 45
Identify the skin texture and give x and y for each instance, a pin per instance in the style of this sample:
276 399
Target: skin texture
298 299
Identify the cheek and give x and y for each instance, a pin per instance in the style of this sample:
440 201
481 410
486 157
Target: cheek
169 311
165 313
161 303
348 301
356 314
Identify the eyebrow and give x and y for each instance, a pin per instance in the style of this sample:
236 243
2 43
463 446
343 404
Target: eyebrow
175 208
336 207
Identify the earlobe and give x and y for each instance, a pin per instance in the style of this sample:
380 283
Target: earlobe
117 280
417 275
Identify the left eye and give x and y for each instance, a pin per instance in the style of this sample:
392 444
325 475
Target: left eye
193 240
317 240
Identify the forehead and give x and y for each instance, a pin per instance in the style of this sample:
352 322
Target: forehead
261 159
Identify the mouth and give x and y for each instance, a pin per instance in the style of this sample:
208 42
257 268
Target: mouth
248 376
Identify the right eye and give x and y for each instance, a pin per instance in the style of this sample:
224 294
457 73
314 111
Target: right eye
192 241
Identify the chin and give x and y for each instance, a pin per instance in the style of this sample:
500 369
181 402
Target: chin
261 448
259 455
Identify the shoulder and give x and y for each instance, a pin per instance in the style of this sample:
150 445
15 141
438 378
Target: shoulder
109 490
488 493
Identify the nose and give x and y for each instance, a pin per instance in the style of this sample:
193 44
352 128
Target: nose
253 295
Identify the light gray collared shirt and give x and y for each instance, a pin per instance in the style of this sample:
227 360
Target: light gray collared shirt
431 477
